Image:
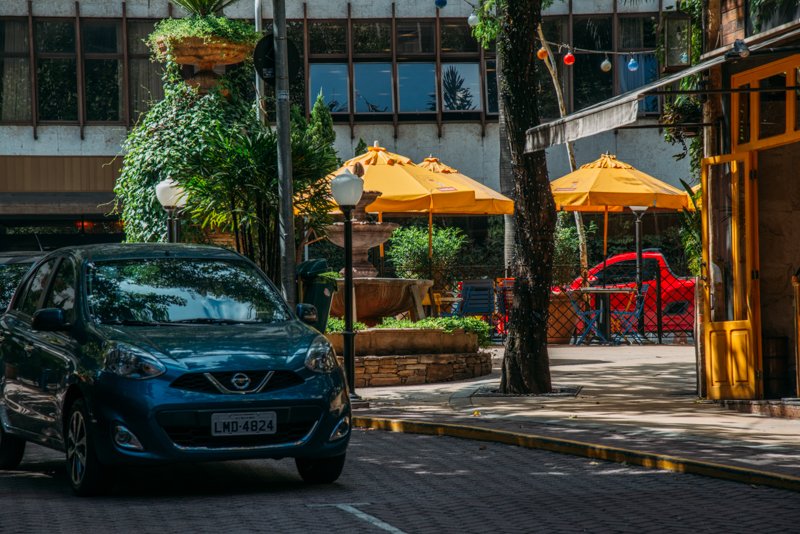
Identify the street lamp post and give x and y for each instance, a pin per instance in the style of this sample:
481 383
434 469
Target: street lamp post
172 198
638 211
346 190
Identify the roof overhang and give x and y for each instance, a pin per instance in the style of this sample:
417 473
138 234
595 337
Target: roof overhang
623 109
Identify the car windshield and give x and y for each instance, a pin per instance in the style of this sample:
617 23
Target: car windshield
180 290
10 275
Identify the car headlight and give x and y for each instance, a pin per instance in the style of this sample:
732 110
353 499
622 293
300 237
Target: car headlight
321 358
132 362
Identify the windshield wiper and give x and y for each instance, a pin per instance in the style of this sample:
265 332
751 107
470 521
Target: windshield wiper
131 322
209 320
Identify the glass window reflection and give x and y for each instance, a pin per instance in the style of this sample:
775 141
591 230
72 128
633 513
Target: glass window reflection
492 105
461 87
180 290
646 72
373 87
417 87
331 80
415 37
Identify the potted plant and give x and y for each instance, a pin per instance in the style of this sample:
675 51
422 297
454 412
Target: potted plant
203 39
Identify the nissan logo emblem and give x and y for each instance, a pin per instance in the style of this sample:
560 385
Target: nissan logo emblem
240 381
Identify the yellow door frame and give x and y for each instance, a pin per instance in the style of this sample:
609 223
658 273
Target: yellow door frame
733 347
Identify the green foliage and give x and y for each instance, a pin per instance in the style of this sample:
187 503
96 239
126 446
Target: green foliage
321 125
447 324
489 25
361 148
566 255
762 10
691 232
203 7
207 27
336 325
215 147
409 253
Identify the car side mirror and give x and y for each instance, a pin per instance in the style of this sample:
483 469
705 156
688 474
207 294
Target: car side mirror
307 313
49 320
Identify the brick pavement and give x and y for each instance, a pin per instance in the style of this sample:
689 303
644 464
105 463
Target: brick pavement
639 398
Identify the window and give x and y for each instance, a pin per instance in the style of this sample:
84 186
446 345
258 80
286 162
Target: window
373 87
327 38
492 103
415 37
56 72
144 78
590 84
15 75
417 87
637 34
332 81
38 283
457 38
102 67
372 37
62 292
461 87
772 106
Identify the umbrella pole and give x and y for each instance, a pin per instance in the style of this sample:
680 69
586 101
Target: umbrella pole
605 243
430 234
380 247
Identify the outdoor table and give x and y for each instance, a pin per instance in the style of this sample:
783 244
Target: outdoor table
602 303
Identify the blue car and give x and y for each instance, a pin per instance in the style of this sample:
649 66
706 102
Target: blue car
145 353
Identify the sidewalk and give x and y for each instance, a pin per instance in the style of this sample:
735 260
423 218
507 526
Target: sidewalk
635 405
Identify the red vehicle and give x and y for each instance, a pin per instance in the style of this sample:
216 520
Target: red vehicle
677 293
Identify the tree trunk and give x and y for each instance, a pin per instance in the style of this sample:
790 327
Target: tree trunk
506 178
526 368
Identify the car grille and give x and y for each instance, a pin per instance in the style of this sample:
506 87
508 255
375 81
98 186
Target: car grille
193 429
200 382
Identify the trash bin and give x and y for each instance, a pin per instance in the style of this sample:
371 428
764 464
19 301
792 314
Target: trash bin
316 290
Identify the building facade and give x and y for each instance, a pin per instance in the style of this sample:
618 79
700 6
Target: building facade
74 77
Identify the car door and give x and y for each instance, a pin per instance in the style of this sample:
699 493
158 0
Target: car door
20 393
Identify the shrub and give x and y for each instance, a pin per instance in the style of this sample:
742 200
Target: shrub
409 253
448 324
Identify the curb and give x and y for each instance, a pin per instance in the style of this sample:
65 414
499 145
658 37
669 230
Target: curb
584 449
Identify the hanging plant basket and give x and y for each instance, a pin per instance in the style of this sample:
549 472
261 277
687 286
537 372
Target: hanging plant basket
204 52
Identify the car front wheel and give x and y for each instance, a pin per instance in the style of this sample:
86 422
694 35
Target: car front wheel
320 470
11 450
86 474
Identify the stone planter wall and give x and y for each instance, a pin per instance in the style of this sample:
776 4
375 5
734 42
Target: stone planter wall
395 357
388 341
375 371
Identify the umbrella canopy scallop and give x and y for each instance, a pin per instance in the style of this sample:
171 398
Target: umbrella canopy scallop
487 200
613 184
406 187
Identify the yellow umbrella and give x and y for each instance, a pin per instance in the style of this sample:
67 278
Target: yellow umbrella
609 185
406 187
487 200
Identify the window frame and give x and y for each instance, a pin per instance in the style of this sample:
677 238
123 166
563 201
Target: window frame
74 55
120 56
26 55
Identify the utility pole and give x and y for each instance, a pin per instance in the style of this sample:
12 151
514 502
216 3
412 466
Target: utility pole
285 189
262 116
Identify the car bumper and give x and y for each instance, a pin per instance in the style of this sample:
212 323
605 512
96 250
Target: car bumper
175 425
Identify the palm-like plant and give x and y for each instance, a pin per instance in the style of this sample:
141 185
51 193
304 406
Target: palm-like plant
203 8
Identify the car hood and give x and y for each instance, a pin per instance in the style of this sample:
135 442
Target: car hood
206 346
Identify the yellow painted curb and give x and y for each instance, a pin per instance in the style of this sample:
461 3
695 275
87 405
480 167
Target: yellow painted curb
588 450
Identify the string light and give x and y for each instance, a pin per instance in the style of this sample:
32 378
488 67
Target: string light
605 66
633 65
472 20
541 53
440 3
569 59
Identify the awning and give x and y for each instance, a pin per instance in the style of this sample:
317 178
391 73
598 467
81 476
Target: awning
623 109
606 115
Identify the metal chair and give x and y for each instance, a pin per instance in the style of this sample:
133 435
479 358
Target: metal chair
588 319
626 321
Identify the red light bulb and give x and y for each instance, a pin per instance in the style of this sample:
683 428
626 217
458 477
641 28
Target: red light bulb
569 58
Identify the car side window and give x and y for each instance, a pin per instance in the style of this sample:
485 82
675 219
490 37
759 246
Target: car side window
36 287
62 291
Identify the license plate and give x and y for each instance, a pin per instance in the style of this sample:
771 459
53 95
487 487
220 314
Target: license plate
243 424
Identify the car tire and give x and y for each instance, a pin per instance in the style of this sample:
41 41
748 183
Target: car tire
12 449
86 474
320 470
